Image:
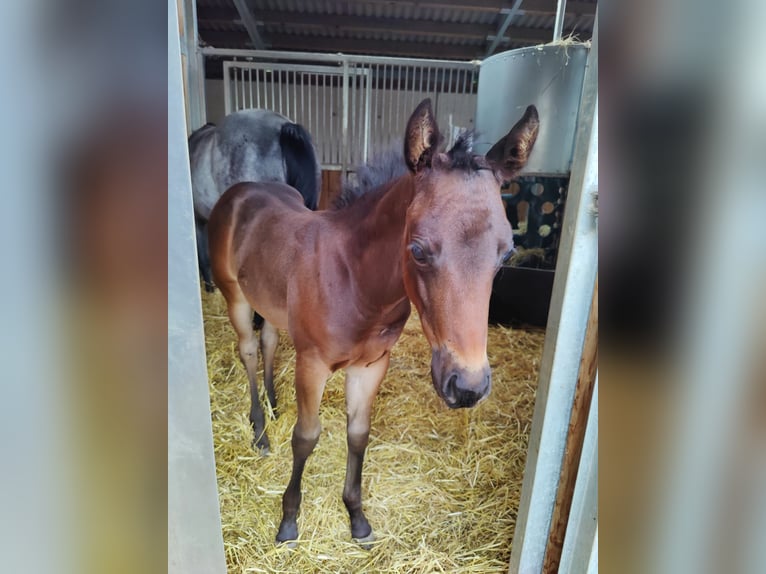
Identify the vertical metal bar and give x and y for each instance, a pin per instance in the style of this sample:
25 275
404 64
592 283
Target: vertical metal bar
558 25
317 114
295 96
282 93
227 88
273 103
367 97
303 100
354 128
236 90
242 83
344 162
309 100
390 95
376 94
250 85
194 519
398 96
257 88
202 103
323 133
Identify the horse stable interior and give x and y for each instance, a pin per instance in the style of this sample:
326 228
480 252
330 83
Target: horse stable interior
509 483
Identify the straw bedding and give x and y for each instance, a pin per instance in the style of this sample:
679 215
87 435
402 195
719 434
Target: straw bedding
440 488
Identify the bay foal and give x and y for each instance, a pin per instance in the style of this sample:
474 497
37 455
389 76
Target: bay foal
341 281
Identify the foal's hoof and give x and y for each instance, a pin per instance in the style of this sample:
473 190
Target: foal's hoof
288 534
367 541
262 446
209 288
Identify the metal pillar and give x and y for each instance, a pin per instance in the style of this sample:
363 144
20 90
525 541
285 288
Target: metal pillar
194 67
248 19
195 542
567 320
558 25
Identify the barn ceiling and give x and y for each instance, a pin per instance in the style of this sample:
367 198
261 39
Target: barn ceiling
444 29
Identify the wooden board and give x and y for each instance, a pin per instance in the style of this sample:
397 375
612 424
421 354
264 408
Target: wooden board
332 183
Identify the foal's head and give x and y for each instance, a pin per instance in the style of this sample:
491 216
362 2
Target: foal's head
456 237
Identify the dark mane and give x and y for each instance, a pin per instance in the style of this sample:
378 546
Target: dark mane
383 168
461 155
390 165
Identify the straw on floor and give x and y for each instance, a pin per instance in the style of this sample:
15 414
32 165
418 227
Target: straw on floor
441 488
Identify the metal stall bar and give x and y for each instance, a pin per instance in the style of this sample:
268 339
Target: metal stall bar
344 159
367 103
226 88
558 25
193 67
195 541
274 55
565 334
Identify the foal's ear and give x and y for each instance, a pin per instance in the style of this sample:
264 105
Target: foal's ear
511 153
421 137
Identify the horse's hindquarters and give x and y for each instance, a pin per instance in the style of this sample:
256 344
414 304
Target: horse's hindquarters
251 234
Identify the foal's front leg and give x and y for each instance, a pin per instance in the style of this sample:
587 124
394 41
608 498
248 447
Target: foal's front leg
310 378
362 384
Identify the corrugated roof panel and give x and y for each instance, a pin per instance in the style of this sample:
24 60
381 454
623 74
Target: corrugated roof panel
404 11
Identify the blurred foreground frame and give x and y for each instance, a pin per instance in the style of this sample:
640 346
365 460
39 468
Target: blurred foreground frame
683 398
107 124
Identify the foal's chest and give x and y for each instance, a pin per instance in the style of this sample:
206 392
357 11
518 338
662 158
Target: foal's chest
383 334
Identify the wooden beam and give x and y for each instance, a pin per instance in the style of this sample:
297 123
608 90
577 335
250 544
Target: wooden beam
586 379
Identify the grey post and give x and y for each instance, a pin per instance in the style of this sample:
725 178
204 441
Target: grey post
570 304
195 542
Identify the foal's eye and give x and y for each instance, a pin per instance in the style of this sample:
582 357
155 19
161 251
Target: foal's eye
418 254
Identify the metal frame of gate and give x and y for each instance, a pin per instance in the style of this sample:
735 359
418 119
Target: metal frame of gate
373 95
281 87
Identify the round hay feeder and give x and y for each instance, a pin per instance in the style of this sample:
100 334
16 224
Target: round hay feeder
551 78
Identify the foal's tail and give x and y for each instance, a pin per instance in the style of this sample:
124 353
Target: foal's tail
300 162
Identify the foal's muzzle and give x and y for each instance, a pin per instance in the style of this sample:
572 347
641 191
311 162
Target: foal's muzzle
457 386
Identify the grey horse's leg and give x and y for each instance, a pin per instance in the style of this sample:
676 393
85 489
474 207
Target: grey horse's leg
269 342
203 255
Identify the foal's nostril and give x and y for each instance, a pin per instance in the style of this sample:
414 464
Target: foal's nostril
451 386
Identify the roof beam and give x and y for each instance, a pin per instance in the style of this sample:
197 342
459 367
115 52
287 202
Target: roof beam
248 19
512 13
530 6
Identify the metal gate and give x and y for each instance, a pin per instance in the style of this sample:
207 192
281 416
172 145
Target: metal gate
324 99
353 106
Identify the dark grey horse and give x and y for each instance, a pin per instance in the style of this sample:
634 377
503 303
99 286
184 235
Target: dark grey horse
249 145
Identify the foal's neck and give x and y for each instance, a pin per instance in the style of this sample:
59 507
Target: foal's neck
379 235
